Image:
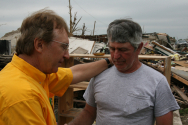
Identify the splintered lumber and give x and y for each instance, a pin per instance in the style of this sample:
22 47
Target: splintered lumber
181 102
179 98
181 94
180 78
181 68
160 69
163 47
182 63
180 75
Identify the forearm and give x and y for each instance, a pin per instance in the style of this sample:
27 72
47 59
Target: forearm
86 71
84 118
166 119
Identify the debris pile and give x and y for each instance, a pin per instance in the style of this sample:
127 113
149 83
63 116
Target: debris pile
155 44
4 59
179 64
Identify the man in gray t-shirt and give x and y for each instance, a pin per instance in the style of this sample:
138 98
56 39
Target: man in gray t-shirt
128 93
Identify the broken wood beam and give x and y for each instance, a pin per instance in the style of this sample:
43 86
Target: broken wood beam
181 94
179 78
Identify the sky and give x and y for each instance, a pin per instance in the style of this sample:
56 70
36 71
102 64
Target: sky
161 16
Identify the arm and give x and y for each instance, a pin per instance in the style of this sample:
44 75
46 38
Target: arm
83 72
86 117
166 119
27 112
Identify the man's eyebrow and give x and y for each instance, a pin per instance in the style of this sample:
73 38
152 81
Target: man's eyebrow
119 47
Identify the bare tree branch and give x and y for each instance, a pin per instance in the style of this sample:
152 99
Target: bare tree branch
73 23
74 26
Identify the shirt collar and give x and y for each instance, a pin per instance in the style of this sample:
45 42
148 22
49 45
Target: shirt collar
28 69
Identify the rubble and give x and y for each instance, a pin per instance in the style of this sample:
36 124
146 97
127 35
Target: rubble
155 44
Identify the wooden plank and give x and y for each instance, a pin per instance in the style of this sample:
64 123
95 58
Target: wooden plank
180 78
152 57
181 102
163 47
65 104
92 47
89 56
177 97
72 113
167 69
181 68
108 55
182 63
76 89
81 85
160 69
181 94
74 100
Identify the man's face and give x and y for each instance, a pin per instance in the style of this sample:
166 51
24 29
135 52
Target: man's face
55 52
124 56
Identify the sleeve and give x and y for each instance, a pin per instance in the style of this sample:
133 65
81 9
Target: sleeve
33 114
89 94
60 81
164 99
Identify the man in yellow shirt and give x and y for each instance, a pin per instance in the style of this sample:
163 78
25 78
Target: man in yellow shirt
33 75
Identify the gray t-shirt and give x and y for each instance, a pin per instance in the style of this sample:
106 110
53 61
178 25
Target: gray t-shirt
130 99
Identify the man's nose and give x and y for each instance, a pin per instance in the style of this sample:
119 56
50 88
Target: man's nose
116 54
66 55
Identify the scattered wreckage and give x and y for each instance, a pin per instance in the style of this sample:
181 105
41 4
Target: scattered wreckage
155 44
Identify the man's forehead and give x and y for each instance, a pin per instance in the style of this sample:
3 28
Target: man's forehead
113 44
59 32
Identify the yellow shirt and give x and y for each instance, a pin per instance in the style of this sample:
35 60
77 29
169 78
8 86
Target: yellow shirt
25 92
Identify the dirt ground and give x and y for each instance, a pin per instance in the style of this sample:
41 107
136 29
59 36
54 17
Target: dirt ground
184 119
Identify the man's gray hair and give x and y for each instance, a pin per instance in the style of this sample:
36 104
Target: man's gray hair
125 30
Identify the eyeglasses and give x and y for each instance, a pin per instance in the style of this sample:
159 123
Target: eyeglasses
65 45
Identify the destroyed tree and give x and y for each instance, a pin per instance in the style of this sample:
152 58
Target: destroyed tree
73 23
84 28
94 28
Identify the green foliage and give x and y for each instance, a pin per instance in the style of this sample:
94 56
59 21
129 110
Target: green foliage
183 111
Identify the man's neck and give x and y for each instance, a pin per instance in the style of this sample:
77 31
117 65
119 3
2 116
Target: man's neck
135 66
32 60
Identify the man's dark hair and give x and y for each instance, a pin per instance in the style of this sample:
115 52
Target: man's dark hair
125 30
40 25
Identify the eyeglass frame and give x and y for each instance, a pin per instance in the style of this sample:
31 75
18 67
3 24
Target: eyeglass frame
66 44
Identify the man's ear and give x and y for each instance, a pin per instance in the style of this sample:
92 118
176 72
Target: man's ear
140 47
38 45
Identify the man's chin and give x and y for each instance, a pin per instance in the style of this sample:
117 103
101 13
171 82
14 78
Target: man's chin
54 70
121 68
59 64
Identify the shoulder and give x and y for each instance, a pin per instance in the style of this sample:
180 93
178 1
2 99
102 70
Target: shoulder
151 72
148 77
64 72
105 73
15 87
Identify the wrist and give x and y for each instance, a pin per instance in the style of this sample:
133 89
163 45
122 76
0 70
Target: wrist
108 62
